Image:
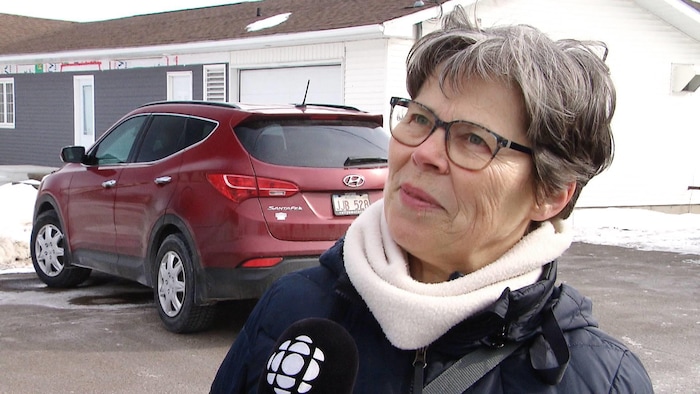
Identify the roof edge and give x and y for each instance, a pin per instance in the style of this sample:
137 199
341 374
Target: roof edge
677 13
324 36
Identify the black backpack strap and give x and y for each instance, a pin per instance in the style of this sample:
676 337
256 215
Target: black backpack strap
469 369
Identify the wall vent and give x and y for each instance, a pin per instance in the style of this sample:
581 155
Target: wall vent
215 82
685 78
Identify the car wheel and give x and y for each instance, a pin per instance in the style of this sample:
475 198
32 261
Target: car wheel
50 253
174 289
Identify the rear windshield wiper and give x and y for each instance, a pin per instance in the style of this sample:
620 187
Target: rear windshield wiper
355 161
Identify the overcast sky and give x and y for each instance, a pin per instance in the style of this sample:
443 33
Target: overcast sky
82 11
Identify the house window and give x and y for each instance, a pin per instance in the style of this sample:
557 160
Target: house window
179 85
7 102
215 82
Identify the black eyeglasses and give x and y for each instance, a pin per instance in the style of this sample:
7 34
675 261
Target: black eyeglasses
468 144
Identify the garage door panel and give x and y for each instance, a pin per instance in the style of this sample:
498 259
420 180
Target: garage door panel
288 85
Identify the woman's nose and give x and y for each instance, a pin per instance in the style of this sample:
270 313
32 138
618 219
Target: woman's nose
432 153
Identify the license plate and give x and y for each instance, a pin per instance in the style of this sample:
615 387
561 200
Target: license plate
350 203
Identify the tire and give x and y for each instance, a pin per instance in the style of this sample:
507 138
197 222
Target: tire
50 254
174 288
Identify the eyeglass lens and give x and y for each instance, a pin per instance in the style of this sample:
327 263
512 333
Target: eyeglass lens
468 145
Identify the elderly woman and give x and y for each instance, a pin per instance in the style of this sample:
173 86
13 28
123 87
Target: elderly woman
503 129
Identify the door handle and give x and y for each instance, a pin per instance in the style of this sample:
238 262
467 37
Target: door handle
109 184
162 180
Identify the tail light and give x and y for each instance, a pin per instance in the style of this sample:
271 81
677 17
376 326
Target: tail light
238 188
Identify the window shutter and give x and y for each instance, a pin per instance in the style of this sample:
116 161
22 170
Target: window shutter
215 82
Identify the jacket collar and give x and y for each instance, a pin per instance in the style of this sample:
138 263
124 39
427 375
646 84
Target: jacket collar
414 314
520 309
539 313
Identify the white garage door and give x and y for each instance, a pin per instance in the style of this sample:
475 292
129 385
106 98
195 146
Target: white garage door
288 85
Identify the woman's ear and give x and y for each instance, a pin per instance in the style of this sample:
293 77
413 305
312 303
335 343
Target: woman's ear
552 205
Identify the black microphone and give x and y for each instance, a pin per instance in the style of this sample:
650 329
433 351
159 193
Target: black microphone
312 355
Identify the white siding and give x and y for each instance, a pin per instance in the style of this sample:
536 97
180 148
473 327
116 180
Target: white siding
396 81
366 75
656 132
201 58
287 56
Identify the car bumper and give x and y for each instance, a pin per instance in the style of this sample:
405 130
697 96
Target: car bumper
219 284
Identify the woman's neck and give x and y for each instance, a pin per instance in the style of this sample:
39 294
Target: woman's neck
430 273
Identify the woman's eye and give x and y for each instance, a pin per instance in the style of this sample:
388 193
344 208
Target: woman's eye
470 142
474 139
421 119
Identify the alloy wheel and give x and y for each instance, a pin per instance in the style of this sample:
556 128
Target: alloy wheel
49 250
171 283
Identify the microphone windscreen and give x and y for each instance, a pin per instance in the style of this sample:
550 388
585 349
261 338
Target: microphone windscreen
312 355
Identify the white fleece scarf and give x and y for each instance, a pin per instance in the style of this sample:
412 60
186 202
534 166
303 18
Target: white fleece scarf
413 314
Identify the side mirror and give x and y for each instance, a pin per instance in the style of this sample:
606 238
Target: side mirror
73 154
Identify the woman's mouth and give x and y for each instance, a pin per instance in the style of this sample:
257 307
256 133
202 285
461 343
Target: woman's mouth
417 198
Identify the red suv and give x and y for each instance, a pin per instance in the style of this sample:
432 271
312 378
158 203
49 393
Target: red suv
205 201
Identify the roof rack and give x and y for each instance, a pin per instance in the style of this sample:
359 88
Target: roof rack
197 102
339 106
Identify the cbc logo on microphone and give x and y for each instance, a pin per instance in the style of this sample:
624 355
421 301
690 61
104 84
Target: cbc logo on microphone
294 366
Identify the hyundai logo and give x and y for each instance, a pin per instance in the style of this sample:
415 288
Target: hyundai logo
354 180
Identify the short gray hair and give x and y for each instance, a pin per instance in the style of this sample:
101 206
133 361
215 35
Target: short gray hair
566 87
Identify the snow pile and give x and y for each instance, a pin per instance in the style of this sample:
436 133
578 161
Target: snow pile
16 208
640 229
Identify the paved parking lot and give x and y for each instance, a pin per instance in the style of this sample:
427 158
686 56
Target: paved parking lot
106 337
649 300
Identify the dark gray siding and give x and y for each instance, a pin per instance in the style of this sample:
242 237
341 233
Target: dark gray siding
44 108
119 91
43 119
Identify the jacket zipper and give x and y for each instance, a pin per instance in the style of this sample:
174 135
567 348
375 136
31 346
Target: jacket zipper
419 363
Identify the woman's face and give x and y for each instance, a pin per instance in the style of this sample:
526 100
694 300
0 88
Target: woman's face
452 219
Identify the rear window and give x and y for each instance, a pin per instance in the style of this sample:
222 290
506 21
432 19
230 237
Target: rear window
315 143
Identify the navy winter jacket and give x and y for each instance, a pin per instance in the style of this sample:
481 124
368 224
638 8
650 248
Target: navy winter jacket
540 316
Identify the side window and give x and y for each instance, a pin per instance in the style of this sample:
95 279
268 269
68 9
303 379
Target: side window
197 130
7 102
117 145
164 137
